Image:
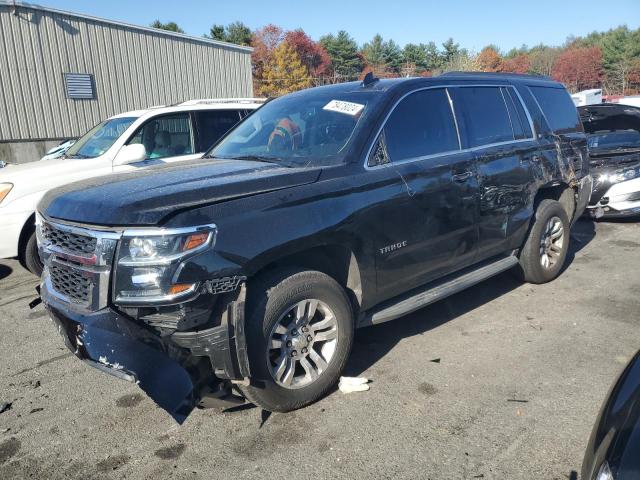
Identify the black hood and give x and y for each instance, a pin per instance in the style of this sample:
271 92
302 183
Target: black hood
608 117
148 196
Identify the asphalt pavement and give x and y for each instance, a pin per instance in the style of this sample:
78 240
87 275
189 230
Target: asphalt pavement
502 381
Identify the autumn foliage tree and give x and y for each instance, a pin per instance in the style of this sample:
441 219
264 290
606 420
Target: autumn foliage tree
579 68
518 64
284 73
264 43
311 54
489 60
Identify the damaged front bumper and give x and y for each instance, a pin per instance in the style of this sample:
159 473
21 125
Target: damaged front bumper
618 200
175 370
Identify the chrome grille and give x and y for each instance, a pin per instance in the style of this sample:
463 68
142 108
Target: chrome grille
68 241
77 262
68 281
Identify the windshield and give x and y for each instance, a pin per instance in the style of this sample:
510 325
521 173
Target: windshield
615 140
100 138
313 127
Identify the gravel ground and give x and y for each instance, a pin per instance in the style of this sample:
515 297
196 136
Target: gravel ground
502 381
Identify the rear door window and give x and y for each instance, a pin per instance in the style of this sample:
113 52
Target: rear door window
421 124
517 115
213 124
166 136
484 113
558 109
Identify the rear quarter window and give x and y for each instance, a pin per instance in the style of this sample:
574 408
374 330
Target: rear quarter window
558 109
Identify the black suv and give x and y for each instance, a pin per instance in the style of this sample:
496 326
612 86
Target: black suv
325 210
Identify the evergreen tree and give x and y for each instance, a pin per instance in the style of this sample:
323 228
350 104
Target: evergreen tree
238 33
216 32
373 52
343 51
392 56
450 50
170 26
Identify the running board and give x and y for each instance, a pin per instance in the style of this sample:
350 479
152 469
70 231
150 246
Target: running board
434 292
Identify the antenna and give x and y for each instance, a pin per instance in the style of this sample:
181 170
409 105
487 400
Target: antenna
369 80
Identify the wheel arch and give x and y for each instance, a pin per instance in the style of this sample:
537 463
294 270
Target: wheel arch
27 229
560 192
337 261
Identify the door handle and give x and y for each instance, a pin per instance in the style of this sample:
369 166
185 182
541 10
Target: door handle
462 176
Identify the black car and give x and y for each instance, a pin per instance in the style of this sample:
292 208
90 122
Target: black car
325 210
613 452
613 132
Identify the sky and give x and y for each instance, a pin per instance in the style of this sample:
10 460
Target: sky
472 23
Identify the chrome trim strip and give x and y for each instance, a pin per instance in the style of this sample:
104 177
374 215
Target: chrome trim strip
163 300
158 232
451 152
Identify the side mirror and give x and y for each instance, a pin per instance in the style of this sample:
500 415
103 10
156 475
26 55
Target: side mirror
130 154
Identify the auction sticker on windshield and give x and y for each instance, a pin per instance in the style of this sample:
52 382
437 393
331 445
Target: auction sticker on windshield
341 106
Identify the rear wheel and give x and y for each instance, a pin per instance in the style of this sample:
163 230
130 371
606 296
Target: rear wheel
299 333
31 257
546 247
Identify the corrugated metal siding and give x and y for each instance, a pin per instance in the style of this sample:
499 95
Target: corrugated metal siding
132 68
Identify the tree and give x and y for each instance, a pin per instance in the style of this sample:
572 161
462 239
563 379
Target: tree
392 56
517 64
284 72
217 32
311 54
516 52
489 60
433 57
579 68
343 51
542 58
373 52
415 55
462 61
238 33
170 26
450 50
264 43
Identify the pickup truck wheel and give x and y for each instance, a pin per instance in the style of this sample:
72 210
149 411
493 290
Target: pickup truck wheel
31 257
545 250
299 335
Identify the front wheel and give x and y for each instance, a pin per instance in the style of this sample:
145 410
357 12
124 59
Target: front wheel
31 257
546 247
299 334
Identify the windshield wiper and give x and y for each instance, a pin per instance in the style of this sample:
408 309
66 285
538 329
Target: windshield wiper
258 158
75 155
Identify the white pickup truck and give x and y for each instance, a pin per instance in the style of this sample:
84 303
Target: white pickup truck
122 143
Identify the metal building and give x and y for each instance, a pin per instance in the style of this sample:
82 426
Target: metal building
62 72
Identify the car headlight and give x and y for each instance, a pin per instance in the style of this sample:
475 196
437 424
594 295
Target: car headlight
5 188
149 260
605 472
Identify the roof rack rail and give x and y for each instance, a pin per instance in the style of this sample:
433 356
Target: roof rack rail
209 101
494 74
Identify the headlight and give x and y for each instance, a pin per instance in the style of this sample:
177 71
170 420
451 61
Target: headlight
605 472
5 188
149 260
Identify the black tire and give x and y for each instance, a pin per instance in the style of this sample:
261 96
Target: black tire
31 257
270 297
531 266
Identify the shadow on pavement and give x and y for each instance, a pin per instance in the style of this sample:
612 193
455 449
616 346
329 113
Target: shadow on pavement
5 271
373 343
582 233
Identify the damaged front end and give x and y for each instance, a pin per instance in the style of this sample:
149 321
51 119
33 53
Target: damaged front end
614 148
118 308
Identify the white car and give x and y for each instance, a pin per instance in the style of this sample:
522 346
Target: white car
121 143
